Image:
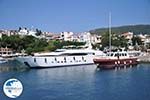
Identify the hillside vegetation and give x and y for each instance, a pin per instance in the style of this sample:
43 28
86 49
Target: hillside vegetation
136 29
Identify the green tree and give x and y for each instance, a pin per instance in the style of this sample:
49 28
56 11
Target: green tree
38 32
116 40
31 44
136 40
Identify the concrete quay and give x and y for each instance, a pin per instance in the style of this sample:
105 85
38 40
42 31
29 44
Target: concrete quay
145 58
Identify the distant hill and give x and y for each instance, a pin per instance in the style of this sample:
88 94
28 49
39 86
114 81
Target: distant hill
136 29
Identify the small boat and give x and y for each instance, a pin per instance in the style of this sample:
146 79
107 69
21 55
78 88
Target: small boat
115 59
2 60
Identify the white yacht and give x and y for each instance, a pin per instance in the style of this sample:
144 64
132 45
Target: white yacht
61 57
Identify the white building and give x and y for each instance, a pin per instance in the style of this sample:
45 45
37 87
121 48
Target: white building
25 31
32 32
66 36
85 37
142 37
95 39
8 32
147 40
128 35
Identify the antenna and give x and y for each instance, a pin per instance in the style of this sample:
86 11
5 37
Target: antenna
110 31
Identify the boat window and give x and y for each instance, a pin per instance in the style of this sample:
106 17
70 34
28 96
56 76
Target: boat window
34 59
108 54
45 60
82 58
111 54
120 54
116 55
123 54
64 58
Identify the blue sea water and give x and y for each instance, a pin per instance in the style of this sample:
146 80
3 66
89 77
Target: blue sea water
79 83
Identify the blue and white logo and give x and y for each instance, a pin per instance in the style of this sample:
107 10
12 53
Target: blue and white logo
12 88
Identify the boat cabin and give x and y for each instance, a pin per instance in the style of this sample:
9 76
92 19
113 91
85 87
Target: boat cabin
117 54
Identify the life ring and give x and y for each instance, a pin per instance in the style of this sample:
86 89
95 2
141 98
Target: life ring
124 62
130 61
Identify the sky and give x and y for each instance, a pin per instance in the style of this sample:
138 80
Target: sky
72 15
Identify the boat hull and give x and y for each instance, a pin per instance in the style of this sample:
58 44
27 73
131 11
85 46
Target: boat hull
1 62
52 62
112 63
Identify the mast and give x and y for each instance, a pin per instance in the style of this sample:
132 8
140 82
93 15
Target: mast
109 31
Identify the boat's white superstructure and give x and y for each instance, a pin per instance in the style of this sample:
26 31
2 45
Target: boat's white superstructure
61 57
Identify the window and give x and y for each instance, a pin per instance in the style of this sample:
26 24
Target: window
120 54
116 55
45 60
123 54
82 58
111 54
34 59
64 58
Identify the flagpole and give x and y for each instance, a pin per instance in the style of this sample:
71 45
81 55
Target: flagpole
110 31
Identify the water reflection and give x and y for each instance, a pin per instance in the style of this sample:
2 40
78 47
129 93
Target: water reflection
80 82
12 65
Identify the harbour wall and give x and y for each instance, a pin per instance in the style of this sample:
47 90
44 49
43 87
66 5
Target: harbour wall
144 58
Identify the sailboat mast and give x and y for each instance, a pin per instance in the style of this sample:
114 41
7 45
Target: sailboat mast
110 31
